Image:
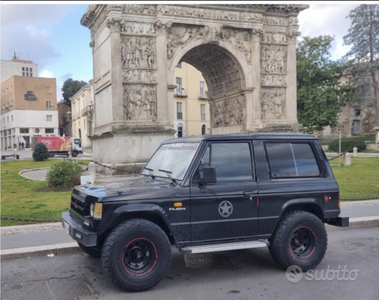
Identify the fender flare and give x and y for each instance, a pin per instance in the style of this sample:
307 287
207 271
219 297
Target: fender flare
302 201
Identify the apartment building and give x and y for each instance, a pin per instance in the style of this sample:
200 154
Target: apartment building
82 114
191 111
28 108
18 67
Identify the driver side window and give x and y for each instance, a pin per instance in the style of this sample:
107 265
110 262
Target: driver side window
232 161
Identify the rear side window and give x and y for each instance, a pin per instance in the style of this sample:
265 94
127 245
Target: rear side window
289 160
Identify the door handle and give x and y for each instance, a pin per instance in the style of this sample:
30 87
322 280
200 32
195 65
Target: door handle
249 194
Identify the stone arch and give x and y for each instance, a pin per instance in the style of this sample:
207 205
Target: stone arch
226 81
246 52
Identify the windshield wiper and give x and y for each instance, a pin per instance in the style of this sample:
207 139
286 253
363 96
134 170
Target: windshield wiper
168 174
151 172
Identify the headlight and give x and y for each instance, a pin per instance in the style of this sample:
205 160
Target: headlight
96 210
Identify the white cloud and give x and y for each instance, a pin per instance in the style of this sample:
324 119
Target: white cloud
27 30
47 74
331 19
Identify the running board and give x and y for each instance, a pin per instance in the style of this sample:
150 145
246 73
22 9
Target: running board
223 247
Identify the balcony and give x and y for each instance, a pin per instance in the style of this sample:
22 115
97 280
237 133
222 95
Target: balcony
87 111
203 96
181 93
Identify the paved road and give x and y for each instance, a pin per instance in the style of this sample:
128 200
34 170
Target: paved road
353 255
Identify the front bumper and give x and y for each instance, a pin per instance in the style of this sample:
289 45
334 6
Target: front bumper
338 221
78 232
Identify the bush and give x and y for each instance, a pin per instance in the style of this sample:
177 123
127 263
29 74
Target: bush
40 152
347 145
64 175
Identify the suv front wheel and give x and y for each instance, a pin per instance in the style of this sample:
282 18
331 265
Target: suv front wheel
136 255
300 239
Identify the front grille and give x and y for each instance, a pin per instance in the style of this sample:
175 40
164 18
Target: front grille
79 205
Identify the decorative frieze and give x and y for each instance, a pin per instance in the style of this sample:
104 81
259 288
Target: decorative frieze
273 102
142 9
213 14
137 27
274 38
139 76
275 21
140 102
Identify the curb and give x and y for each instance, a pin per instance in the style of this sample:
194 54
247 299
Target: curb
50 250
64 248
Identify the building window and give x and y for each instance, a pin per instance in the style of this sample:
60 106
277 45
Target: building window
202 112
49 118
49 130
30 95
48 89
179 114
356 127
49 106
178 86
24 130
203 129
202 89
180 131
12 118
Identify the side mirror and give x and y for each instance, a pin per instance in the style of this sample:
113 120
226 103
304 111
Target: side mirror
209 175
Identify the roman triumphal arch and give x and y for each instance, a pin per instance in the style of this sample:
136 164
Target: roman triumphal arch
246 53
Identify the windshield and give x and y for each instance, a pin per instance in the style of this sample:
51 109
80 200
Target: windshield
172 159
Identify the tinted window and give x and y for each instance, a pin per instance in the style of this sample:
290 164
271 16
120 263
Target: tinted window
232 161
291 160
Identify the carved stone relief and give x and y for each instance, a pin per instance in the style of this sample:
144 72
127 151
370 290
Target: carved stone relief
273 103
227 112
138 52
139 76
140 102
190 12
273 59
139 9
240 40
274 38
274 80
275 21
178 36
137 28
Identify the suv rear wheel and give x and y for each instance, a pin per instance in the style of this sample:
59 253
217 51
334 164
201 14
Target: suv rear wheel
136 255
300 239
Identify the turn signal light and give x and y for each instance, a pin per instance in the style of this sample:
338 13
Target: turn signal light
178 204
98 211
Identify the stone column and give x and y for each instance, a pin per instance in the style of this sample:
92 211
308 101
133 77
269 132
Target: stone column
291 94
253 94
116 70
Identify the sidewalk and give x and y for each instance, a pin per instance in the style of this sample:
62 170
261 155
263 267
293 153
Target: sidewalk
52 239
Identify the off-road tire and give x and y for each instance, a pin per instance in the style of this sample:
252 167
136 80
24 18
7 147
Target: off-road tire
300 239
91 251
136 255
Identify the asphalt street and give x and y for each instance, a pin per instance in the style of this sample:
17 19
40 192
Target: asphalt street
347 272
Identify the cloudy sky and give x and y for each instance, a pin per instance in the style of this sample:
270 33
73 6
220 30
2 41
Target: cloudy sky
50 34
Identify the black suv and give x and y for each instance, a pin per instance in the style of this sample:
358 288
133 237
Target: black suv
207 194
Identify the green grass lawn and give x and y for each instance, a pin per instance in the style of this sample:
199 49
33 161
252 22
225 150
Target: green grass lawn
360 180
20 198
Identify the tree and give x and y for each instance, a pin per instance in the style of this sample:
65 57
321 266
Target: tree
320 95
40 152
70 88
363 36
